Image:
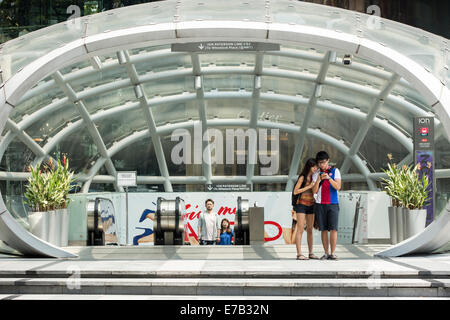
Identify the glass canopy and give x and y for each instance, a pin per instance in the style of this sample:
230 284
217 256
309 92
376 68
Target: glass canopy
118 109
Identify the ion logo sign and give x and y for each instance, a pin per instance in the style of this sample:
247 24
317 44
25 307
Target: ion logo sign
424 121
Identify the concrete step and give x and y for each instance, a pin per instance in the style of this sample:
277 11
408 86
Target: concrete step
331 287
223 274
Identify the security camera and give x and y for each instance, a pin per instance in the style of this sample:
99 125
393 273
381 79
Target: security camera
347 60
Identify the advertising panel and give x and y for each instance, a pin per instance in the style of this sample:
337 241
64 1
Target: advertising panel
277 214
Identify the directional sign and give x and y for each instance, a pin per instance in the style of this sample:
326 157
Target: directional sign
126 178
232 187
218 46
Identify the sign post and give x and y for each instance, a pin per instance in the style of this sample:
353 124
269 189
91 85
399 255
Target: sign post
424 156
126 179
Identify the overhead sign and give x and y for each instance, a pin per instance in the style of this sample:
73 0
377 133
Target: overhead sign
228 187
126 179
219 46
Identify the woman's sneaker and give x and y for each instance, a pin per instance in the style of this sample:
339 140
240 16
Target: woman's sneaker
332 257
324 257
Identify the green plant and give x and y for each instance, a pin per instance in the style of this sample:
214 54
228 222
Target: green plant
64 178
393 184
48 188
405 188
416 193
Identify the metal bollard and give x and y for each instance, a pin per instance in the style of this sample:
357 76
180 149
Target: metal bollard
241 223
96 235
168 225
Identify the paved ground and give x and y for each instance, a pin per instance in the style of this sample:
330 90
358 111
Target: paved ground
242 260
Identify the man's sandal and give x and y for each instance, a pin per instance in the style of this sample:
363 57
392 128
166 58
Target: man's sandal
301 257
313 256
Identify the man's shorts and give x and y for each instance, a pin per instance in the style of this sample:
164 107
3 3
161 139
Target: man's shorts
327 216
300 208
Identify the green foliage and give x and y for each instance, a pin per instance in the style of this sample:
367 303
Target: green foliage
48 188
405 188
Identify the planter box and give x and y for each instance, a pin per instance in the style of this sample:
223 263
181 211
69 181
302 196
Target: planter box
39 224
415 221
64 241
399 218
392 224
54 228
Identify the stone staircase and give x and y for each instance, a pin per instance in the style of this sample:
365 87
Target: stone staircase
212 271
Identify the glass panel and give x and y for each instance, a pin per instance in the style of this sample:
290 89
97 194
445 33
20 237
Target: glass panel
139 156
227 59
375 150
18 53
359 77
347 98
161 60
107 100
12 194
17 157
442 147
79 148
420 46
335 124
313 145
51 94
72 69
132 16
275 111
411 95
284 61
248 10
228 108
101 187
397 115
228 82
118 126
175 112
442 195
167 87
98 77
303 13
51 124
287 86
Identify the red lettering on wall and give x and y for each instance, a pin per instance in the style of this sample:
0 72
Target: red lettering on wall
280 231
226 210
192 215
190 232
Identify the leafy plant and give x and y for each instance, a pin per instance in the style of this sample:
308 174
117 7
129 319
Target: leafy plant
48 188
393 184
405 188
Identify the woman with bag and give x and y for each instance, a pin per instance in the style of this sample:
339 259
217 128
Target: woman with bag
303 204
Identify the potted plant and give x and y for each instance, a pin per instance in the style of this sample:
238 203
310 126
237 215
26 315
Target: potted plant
391 186
47 196
415 198
35 195
65 179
